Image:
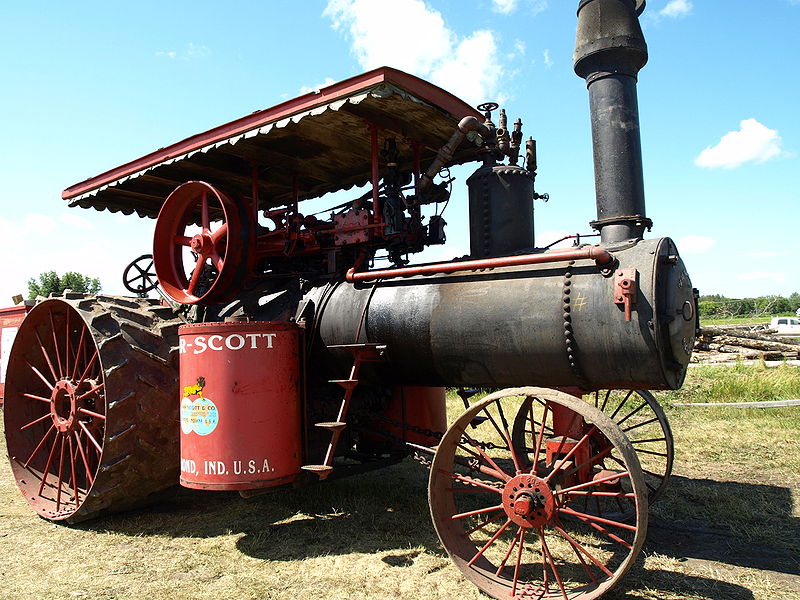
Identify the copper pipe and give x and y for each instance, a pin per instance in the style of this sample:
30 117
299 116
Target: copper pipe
599 255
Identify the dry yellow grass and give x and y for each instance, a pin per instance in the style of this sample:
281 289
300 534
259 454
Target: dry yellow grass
726 530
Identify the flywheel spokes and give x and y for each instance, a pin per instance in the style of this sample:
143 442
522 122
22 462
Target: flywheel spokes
200 242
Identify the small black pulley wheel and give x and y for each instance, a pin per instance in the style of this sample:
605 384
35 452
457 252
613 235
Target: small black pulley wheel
140 277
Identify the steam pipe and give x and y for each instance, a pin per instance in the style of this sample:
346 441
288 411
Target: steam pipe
599 255
445 154
609 52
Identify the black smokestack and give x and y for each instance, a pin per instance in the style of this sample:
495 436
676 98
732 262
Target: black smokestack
609 52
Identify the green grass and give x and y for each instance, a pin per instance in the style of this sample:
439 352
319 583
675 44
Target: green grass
735 320
738 383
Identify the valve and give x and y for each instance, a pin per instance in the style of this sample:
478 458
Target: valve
625 290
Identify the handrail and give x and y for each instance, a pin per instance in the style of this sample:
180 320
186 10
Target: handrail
599 255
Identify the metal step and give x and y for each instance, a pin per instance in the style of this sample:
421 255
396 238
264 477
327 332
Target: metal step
321 470
347 384
331 425
365 352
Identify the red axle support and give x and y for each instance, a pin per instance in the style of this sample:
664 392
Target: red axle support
599 255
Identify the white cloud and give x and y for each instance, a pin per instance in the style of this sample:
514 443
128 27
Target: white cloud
537 6
471 72
548 62
468 66
32 224
192 51
75 220
777 277
196 50
71 240
676 8
316 88
753 142
506 7
695 244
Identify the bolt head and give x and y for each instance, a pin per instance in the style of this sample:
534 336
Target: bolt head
523 505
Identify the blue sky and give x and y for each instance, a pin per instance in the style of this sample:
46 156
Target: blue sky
86 86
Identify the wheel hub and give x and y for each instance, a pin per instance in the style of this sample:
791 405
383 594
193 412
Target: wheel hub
528 501
202 244
64 406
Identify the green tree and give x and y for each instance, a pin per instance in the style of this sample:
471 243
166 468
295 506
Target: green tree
49 282
794 301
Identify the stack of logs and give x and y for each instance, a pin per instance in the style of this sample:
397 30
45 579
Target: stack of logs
722 343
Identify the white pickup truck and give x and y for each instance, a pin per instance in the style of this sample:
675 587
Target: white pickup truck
786 325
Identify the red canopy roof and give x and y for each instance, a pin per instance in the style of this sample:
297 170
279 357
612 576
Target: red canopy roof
319 141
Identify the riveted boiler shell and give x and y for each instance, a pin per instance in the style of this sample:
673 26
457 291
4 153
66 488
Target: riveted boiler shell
549 325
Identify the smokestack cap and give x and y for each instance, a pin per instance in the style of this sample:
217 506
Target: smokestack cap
609 39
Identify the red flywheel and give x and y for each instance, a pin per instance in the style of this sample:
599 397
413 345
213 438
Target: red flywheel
206 265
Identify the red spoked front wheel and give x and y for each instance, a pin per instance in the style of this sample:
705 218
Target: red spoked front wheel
561 513
200 244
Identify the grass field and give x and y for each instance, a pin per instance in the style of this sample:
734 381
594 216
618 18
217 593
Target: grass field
727 528
747 320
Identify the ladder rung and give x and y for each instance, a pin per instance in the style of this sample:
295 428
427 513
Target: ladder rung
317 468
331 425
347 384
364 352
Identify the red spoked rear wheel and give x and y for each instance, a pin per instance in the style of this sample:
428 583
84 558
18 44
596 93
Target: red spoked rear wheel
205 264
90 406
561 513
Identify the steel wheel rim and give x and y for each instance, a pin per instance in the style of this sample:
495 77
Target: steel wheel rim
55 410
642 419
140 269
476 525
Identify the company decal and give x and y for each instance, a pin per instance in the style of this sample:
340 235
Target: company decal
198 413
234 341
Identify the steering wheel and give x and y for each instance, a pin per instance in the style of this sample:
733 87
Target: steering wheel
202 266
140 269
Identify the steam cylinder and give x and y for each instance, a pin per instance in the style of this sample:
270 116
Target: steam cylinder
500 210
240 405
547 325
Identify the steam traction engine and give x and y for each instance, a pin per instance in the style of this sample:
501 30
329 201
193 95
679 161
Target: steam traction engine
289 357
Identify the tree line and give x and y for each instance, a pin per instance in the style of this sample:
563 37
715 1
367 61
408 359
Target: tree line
716 305
51 282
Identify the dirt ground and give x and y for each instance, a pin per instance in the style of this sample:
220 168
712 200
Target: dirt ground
727 529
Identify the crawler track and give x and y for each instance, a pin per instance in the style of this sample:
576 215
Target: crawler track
91 411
